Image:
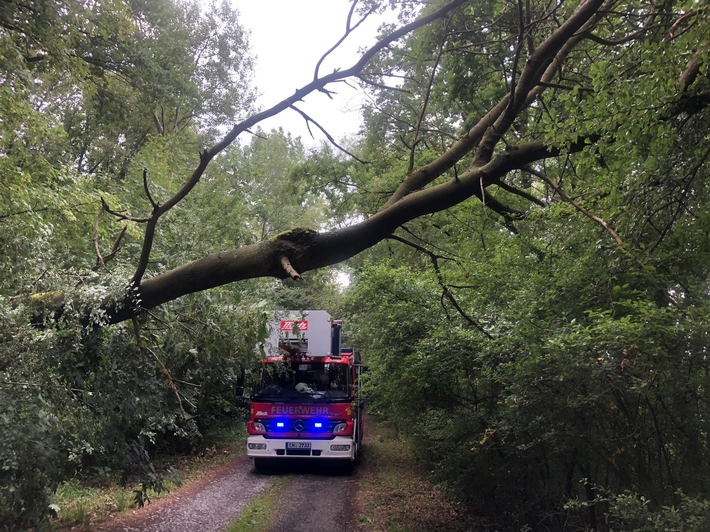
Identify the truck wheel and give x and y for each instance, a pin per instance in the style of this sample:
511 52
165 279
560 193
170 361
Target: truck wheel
357 443
262 465
346 467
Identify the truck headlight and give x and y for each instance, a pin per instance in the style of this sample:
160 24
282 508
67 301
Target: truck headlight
259 446
259 426
340 427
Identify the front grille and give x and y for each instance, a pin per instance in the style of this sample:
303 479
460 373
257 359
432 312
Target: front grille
300 425
298 452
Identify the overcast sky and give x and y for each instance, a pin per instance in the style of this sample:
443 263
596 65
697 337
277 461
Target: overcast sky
288 37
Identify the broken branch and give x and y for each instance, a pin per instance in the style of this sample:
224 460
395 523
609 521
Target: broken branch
289 269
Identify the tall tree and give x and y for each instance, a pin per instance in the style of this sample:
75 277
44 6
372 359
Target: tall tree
561 85
546 384
570 139
93 95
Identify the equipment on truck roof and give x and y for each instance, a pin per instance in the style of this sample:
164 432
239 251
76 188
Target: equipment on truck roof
307 401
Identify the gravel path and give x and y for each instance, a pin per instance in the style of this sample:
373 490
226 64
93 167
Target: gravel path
208 504
318 498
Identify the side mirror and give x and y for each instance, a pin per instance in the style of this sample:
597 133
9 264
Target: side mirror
239 388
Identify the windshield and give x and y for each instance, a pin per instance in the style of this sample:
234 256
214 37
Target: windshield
299 381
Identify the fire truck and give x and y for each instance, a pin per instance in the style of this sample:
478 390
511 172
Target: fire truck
305 402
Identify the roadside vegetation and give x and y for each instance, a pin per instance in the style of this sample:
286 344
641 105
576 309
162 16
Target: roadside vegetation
395 491
527 249
80 503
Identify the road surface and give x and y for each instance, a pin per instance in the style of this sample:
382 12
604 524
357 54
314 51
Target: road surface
316 497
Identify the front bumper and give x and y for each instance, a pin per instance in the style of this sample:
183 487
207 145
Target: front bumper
340 447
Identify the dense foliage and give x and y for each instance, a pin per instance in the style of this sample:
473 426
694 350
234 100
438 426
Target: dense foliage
550 361
535 319
93 95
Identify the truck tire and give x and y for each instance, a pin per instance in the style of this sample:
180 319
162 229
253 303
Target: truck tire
357 442
262 465
346 467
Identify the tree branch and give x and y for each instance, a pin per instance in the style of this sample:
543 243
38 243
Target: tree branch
446 292
308 250
316 84
288 268
578 206
536 68
120 215
163 369
521 193
100 259
348 30
290 254
310 120
425 103
147 190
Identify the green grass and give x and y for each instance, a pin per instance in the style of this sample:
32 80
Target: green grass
257 514
82 503
394 494
226 435
76 503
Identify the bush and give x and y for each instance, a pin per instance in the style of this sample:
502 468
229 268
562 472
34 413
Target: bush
635 513
94 402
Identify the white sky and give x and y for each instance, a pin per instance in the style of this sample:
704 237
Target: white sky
288 37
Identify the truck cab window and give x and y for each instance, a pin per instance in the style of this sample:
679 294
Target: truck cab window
314 379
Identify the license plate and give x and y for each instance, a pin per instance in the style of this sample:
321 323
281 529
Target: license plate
298 445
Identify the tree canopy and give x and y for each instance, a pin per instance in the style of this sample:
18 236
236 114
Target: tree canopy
524 215
551 89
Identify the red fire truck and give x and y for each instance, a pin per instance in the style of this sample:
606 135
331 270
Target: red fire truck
305 403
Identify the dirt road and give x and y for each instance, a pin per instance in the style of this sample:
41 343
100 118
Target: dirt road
315 498
208 504
318 497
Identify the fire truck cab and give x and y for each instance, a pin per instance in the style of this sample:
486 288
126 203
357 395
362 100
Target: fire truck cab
306 402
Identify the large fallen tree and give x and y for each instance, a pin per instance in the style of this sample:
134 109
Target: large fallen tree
488 151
